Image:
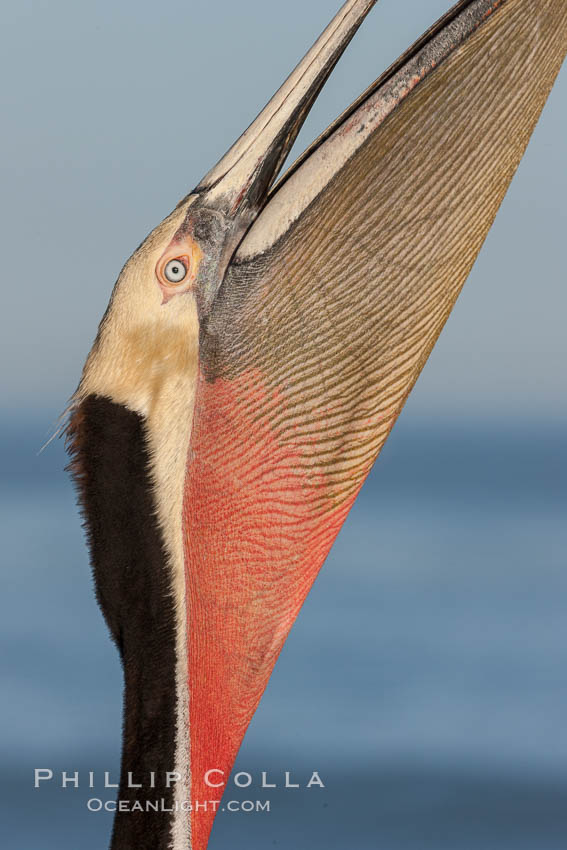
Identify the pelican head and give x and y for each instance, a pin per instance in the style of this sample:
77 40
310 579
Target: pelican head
150 331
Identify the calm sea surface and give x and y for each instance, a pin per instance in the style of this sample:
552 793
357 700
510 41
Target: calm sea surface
426 678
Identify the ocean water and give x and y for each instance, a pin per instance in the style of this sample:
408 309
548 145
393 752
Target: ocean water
425 680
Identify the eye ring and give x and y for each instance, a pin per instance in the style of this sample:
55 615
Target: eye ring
175 270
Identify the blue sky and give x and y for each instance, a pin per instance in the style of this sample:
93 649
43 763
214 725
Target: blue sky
113 111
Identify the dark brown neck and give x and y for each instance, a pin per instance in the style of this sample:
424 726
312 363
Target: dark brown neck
111 466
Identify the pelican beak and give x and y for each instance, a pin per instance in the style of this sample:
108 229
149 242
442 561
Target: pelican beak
230 197
238 185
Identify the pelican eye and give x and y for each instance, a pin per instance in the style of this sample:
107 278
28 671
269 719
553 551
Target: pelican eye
175 271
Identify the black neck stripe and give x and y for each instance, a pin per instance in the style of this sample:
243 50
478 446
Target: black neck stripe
111 467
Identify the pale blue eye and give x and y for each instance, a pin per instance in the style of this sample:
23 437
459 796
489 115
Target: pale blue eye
175 271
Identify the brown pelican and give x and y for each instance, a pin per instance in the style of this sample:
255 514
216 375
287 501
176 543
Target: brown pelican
257 350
